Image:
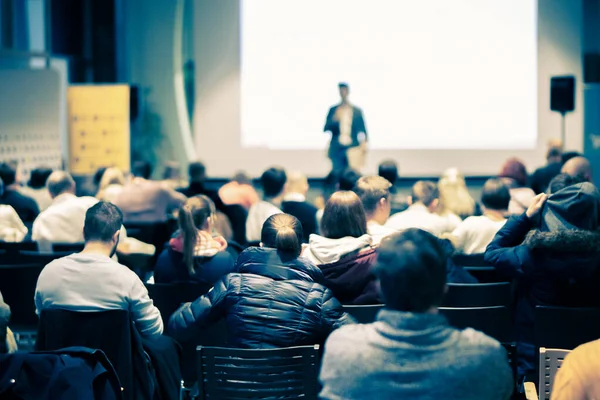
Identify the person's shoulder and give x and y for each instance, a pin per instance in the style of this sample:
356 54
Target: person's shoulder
473 339
348 336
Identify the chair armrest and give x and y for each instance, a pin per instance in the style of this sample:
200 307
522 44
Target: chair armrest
530 391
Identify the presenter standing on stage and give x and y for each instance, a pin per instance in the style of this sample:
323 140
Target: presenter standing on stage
348 145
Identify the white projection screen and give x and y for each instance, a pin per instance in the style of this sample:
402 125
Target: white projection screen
441 83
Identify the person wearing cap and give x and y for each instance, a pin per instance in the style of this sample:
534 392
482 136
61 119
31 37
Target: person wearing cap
552 251
348 144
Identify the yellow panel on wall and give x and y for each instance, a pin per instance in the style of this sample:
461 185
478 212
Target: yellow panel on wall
98 127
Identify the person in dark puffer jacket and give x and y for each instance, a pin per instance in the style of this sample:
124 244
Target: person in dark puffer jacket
553 253
276 299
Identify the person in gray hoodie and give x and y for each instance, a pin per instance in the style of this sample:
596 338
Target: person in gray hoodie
410 351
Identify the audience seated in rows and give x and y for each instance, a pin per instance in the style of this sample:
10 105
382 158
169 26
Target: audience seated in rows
276 299
541 177
273 182
578 167
194 254
92 281
474 234
12 228
25 206
111 184
374 193
388 169
424 202
294 203
36 189
344 252
553 253
239 191
411 352
456 203
196 186
521 196
171 177
577 378
63 221
145 201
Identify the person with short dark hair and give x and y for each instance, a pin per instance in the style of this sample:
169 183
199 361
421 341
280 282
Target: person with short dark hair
374 193
12 228
515 174
92 281
294 203
36 188
542 176
276 299
25 206
410 351
144 201
197 179
344 250
348 133
552 252
474 234
273 182
348 179
195 253
421 213
389 170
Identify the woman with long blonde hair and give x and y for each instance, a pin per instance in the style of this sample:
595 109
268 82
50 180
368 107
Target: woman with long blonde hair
111 184
456 203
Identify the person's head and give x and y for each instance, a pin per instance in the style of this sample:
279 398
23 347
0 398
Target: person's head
554 155
60 182
171 171
344 215
388 169
197 172
454 195
102 225
411 268
242 178
141 169
348 179
284 233
374 193
39 177
426 193
566 156
578 166
495 195
8 173
196 214
112 176
297 183
273 181
344 91
98 176
561 181
514 169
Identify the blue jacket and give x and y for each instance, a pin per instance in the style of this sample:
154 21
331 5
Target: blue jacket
271 302
170 267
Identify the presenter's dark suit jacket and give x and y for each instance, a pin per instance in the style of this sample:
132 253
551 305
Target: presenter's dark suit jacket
358 126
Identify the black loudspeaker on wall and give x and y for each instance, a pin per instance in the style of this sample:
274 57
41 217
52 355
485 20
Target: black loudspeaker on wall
562 93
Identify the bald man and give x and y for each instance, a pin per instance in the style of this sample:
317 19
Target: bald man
294 203
578 166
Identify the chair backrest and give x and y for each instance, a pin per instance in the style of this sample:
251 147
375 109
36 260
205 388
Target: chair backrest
550 361
363 314
141 264
565 327
469 260
11 247
477 294
286 373
67 247
493 321
109 331
41 258
486 274
17 284
168 297
157 233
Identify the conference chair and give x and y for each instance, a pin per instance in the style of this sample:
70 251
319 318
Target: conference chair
110 331
486 274
283 373
41 258
550 362
477 295
565 327
11 247
17 284
67 247
494 321
141 264
363 314
469 260
156 234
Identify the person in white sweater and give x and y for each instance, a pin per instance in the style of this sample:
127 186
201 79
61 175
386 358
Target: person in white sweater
91 281
12 228
474 234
